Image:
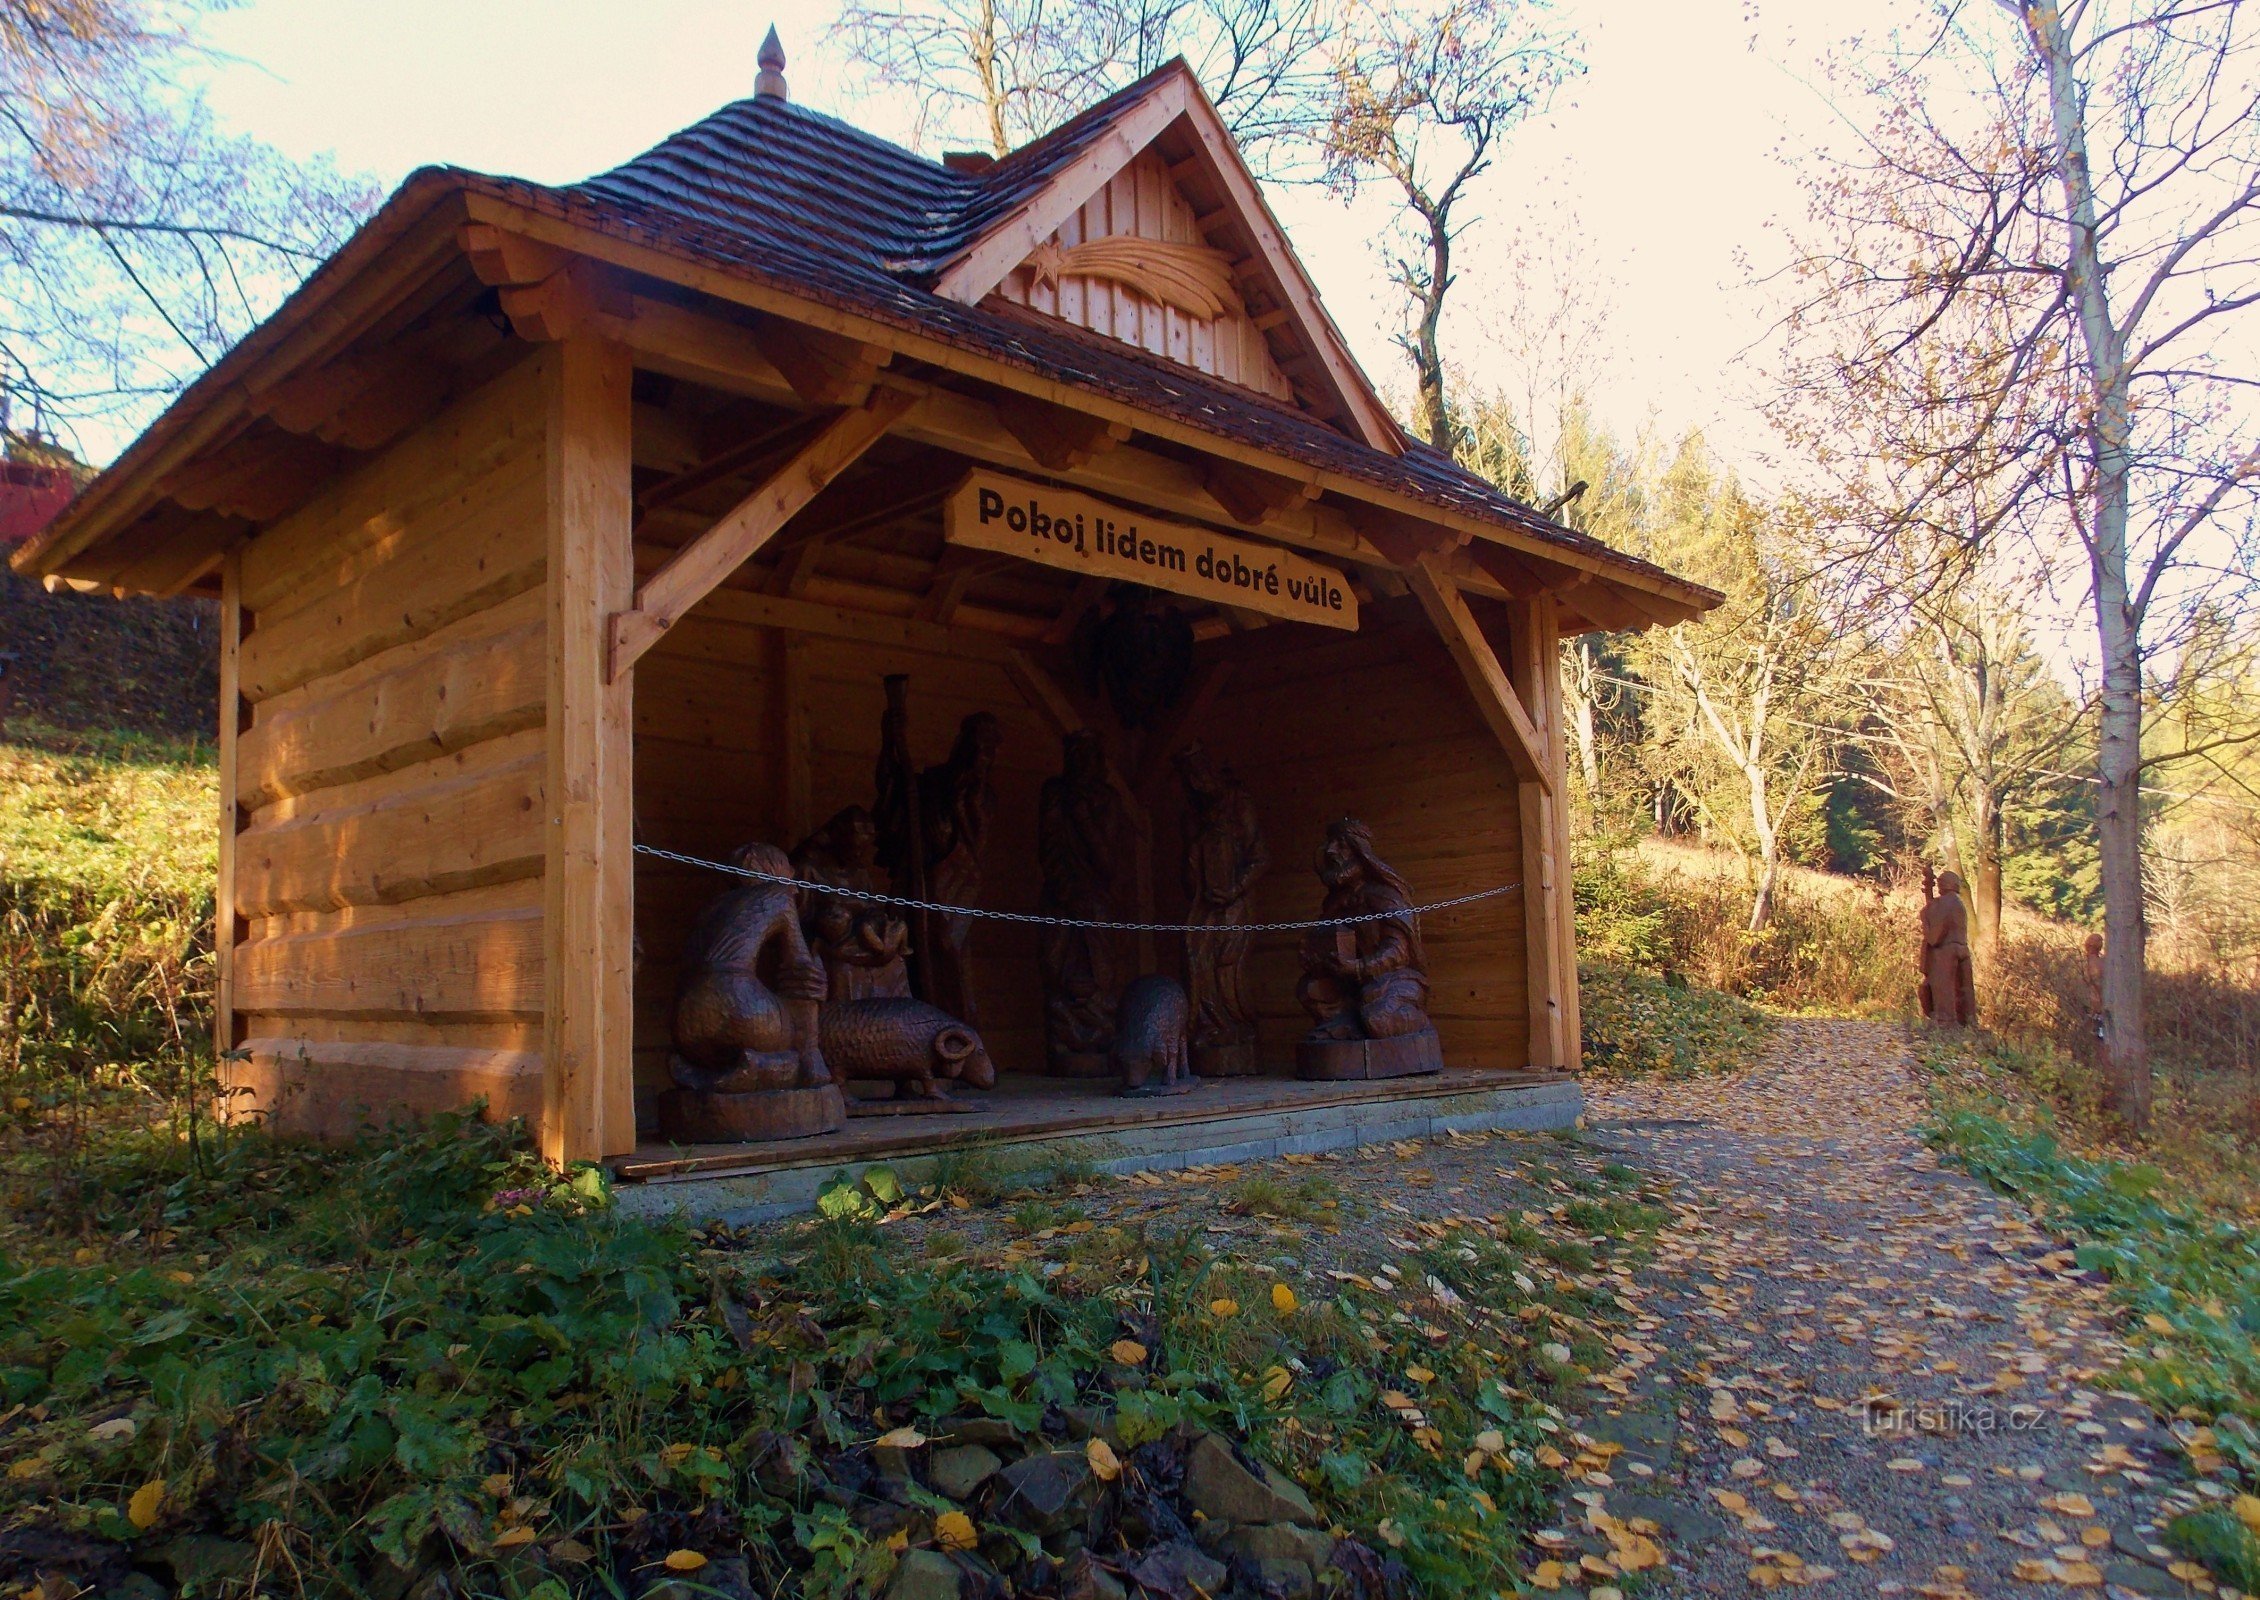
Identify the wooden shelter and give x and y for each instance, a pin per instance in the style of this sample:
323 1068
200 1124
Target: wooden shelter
548 521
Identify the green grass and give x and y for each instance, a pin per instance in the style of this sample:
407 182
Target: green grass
107 848
366 1363
1633 1023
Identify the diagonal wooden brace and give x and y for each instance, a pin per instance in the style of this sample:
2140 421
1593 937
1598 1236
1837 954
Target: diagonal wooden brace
1502 710
700 566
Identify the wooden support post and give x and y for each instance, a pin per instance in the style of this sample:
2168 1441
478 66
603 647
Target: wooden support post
1548 951
700 566
588 888
227 926
1546 648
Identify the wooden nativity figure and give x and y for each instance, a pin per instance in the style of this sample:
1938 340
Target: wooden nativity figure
948 808
1083 844
1949 984
861 945
1224 856
747 1061
1365 983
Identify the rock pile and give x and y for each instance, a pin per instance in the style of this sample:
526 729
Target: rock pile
1069 1511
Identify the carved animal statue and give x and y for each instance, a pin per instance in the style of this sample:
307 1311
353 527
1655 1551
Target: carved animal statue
1152 1029
904 1041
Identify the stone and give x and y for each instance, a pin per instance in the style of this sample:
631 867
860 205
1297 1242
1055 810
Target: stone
1044 1492
2130 1541
2133 1575
924 1575
1082 1578
960 1469
1289 1580
1272 1541
982 1430
1223 1490
1178 1569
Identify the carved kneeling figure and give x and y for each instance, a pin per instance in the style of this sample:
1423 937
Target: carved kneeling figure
746 1059
903 1041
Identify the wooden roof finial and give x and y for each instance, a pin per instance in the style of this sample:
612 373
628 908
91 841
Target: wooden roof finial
770 82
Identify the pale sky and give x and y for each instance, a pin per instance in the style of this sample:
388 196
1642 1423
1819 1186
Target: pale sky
1666 151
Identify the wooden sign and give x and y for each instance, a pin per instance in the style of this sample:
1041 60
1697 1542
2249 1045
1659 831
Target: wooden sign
1083 534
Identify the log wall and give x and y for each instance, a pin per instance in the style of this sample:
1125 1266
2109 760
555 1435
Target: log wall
389 776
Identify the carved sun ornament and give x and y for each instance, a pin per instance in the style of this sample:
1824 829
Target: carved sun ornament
1192 278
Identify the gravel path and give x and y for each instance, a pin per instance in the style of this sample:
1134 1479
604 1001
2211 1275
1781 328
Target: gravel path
1824 1274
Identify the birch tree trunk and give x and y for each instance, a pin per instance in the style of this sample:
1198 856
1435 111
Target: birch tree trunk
2126 1058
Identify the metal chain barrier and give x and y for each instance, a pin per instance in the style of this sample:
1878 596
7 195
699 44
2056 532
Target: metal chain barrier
903 903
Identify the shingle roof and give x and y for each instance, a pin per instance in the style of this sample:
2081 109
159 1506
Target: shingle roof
790 196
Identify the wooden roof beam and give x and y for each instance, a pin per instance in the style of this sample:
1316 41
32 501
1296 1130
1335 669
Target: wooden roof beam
574 297
258 477
1495 698
1252 496
823 369
699 567
1058 438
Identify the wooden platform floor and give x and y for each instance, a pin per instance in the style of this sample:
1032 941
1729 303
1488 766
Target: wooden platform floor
1021 1109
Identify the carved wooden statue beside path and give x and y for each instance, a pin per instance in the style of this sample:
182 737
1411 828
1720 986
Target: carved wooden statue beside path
747 1062
1224 856
1366 984
1083 842
1949 987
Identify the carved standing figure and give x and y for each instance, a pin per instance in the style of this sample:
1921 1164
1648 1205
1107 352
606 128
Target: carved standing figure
1082 841
1365 985
1949 986
861 945
952 804
747 1062
1224 856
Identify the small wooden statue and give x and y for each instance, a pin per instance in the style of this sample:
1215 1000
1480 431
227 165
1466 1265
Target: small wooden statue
1224 856
1151 1031
1949 985
1082 840
747 1061
1365 984
861 945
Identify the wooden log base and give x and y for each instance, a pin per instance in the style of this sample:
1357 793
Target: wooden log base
1226 1060
1155 1091
688 1117
1082 1064
1407 1056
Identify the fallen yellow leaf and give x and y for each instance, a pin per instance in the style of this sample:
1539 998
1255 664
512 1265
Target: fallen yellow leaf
1283 1299
1127 1351
1224 1306
953 1530
1420 1374
512 1538
1276 1382
1105 1465
683 1561
147 1504
1547 1574
900 1439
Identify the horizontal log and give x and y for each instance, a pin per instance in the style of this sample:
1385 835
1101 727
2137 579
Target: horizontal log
438 577
477 679
426 480
334 1089
443 967
461 821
